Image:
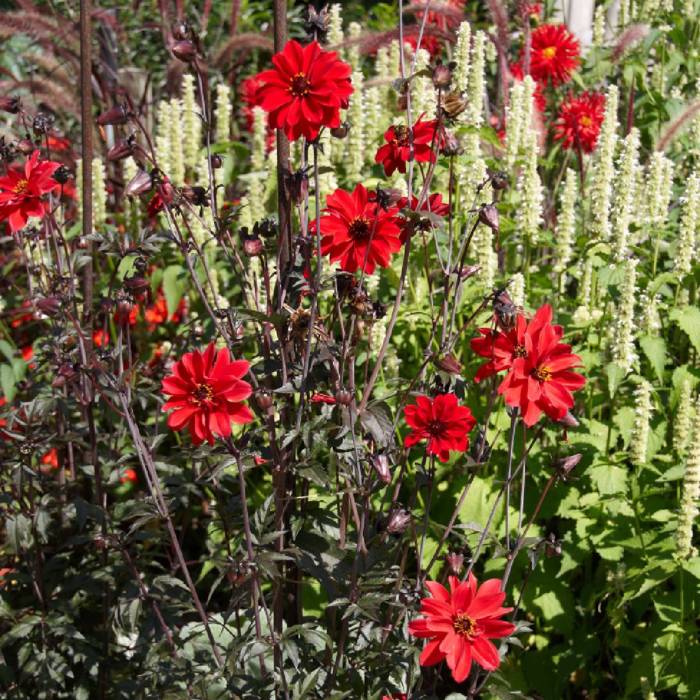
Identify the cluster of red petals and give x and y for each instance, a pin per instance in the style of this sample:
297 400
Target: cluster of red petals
323 398
50 458
554 54
460 624
357 232
448 16
305 90
157 312
396 152
248 91
540 377
579 121
207 394
21 191
129 476
441 422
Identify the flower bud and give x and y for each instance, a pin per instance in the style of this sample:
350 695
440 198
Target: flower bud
398 521
488 215
340 132
121 149
449 363
565 465
380 463
455 561
49 306
451 145
216 161
123 312
343 397
184 51
10 104
253 247
568 421
442 76
499 180
140 183
61 175
297 185
263 400
117 115
136 284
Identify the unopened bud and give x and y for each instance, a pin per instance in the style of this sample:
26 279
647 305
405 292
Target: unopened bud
195 195
449 363
569 421
61 175
451 145
140 183
216 161
565 466
121 149
10 104
340 132
48 305
263 400
453 104
455 561
343 397
442 76
380 463
136 284
184 51
499 181
114 116
253 247
398 521
488 215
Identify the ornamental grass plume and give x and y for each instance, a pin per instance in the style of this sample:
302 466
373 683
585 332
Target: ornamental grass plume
639 440
604 171
690 494
687 234
460 624
683 418
625 195
623 350
566 222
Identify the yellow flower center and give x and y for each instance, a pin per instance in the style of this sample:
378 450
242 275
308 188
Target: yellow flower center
585 120
550 52
299 86
542 374
21 187
202 393
464 625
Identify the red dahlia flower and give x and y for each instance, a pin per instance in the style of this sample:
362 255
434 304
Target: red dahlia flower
460 624
442 422
396 152
503 348
554 54
305 90
21 191
541 381
358 232
207 393
579 121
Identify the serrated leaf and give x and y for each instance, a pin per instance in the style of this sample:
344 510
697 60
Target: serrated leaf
688 320
608 479
654 348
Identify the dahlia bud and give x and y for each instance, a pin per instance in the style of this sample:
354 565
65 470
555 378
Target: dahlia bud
140 183
117 115
565 465
216 161
451 145
380 463
48 305
343 397
488 215
455 561
263 400
9 104
569 421
449 363
298 186
340 132
398 521
123 312
184 51
61 175
253 247
121 149
442 76
499 180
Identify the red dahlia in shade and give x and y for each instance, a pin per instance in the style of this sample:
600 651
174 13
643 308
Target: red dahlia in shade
554 54
460 624
441 422
305 90
396 152
542 381
579 120
503 348
357 232
207 393
21 191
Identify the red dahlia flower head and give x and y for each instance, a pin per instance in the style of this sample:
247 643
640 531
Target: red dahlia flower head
502 348
207 394
396 152
460 624
542 381
554 54
21 191
579 120
358 232
305 90
441 422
